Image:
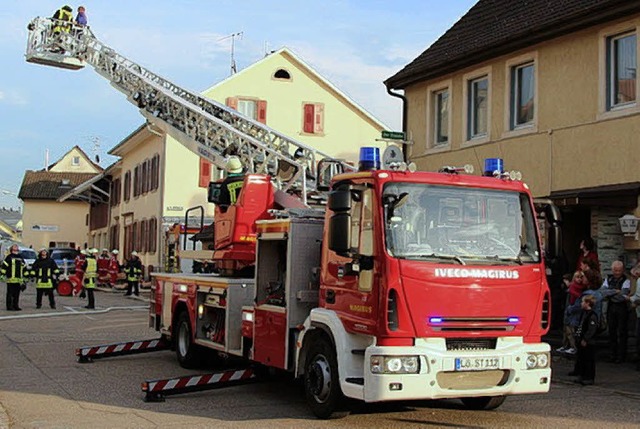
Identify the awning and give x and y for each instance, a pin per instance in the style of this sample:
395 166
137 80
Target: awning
619 195
88 191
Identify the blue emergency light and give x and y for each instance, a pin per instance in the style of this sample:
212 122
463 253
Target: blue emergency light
493 164
369 159
514 320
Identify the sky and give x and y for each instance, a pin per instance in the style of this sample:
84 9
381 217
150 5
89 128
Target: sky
354 44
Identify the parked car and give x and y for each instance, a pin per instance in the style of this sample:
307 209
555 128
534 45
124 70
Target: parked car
64 257
29 256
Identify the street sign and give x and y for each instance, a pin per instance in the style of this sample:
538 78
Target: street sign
393 135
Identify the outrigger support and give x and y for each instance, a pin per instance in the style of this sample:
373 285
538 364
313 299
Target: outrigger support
156 390
88 354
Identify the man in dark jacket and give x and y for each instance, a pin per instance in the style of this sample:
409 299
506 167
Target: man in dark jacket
133 271
45 271
14 270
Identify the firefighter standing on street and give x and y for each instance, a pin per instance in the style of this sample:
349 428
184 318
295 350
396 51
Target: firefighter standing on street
114 267
133 270
90 274
45 271
14 270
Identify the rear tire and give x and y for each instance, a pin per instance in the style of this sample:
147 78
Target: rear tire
189 354
483 402
321 382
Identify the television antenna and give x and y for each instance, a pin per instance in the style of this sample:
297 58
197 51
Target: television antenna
232 36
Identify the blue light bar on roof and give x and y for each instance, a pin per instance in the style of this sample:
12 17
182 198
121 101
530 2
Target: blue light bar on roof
493 164
369 159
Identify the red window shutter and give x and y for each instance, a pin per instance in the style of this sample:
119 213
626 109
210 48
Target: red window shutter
205 173
308 118
319 119
232 102
262 111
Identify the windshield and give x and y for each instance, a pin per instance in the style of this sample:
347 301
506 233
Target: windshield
63 254
28 254
463 225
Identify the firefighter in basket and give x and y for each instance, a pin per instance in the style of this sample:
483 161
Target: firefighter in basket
114 267
133 271
45 272
90 269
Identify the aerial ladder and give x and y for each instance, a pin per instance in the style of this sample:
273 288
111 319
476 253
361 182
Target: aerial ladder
209 129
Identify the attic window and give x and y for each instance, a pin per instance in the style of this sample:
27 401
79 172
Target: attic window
282 74
66 183
75 160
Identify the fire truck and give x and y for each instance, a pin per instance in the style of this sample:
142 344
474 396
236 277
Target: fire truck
376 284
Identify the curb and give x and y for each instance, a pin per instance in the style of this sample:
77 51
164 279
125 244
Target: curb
4 417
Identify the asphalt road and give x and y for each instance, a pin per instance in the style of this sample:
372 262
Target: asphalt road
43 386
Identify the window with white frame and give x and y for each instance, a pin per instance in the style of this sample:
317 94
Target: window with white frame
522 95
248 108
478 107
441 117
622 60
75 160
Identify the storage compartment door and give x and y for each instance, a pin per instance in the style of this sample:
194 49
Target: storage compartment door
270 336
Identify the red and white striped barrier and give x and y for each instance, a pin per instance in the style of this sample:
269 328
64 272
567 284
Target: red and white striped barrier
87 354
156 390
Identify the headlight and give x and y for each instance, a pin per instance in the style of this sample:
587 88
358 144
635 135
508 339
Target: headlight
537 360
395 364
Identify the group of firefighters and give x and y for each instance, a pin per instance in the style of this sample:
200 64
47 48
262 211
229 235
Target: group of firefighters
90 269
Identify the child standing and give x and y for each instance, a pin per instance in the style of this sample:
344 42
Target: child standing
585 341
574 290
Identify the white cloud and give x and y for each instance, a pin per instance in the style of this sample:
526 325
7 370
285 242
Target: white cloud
13 98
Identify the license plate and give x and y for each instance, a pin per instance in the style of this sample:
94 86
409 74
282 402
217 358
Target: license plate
477 364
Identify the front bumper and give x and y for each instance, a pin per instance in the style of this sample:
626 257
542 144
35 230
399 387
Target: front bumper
438 378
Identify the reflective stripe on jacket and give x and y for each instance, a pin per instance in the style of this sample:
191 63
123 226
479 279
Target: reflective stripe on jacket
13 268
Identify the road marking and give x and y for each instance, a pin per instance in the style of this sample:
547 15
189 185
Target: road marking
74 313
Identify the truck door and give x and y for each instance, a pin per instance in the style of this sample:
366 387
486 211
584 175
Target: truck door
348 281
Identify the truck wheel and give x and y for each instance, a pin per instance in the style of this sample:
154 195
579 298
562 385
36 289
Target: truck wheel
483 402
321 383
186 350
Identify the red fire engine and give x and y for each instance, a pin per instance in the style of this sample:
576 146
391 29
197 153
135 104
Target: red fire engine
406 285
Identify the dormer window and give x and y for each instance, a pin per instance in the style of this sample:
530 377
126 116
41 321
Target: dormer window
66 183
282 74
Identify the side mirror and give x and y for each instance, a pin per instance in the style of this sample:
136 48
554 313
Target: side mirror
340 233
327 168
339 200
213 192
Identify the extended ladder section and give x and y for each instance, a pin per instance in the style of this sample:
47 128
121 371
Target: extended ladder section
210 129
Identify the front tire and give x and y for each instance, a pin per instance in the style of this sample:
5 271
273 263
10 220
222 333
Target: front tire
321 382
188 354
483 402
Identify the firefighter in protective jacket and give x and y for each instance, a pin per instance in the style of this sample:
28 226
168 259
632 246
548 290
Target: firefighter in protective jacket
14 271
45 271
133 270
90 268
65 13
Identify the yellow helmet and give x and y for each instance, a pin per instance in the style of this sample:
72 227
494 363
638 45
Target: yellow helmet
234 165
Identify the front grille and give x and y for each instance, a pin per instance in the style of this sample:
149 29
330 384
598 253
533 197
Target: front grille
471 344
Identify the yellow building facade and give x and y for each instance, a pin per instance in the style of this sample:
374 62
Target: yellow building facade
562 108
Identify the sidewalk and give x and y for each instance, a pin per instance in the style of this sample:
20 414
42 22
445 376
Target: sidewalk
620 378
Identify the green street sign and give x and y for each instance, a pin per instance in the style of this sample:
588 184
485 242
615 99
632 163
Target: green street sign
393 135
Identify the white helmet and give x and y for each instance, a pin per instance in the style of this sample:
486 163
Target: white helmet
234 165
134 253
115 251
93 250
84 252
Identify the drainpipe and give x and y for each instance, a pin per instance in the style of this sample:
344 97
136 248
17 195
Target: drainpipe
405 149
